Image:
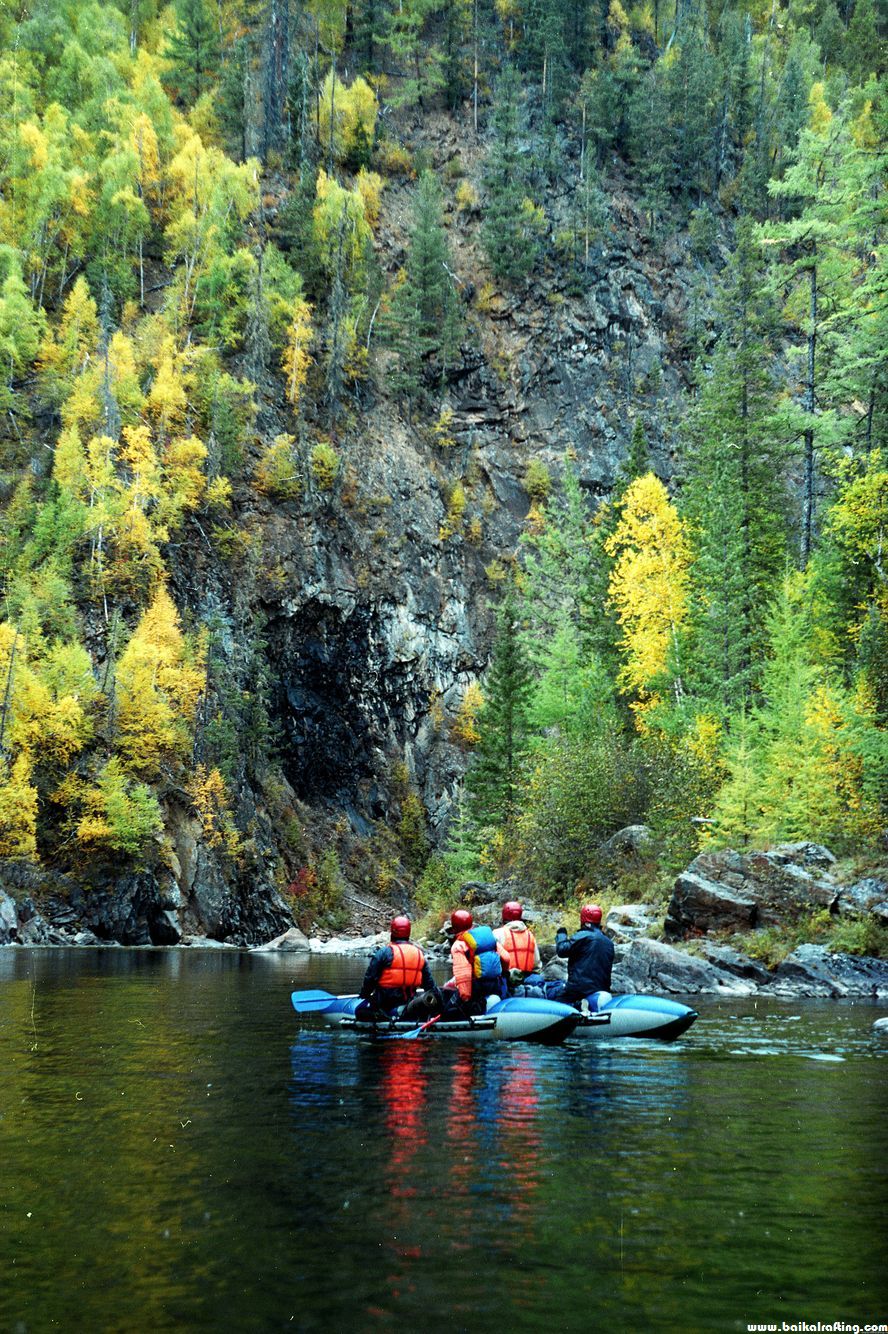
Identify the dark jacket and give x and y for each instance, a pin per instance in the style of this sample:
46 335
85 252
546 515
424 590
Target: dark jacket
389 998
590 957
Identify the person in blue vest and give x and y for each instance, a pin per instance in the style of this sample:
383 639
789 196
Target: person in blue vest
480 965
395 973
590 958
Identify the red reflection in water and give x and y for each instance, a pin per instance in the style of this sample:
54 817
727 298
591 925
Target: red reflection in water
403 1089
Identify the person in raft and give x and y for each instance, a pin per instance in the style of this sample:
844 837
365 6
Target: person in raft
395 974
480 966
520 944
590 958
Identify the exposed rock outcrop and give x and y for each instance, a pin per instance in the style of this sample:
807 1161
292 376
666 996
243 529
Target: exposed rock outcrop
652 966
813 971
733 891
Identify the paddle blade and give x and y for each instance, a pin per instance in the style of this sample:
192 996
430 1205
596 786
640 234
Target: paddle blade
312 1002
414 1032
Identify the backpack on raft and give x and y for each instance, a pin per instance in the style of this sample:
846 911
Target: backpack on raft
486 962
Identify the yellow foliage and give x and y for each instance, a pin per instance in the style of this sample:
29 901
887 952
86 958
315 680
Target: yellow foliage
278 472
66 351
208 793
456 509
370 186
18 809
158 689
143 141
44 721
464 730
649 583
339 213
184 478
349 112
296 360
820 112
35 141
167 399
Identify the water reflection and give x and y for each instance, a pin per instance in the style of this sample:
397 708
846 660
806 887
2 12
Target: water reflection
229 1168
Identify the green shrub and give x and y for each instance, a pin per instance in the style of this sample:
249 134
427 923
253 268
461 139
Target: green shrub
324 465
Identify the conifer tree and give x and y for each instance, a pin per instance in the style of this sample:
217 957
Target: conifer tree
493 779
509 229
425 318
193 49
734 494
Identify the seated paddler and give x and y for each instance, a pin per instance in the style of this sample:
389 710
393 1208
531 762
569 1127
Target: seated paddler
395 973
480 966
590 958
519 942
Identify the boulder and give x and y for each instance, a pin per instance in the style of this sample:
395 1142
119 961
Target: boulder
32 930
8 919
291 942
699 904
636 840
348 944
740 965
652 966
865 896
811 970
628 920
880 1028
803 854
731 891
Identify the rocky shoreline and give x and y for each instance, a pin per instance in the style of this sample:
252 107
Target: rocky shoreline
693 951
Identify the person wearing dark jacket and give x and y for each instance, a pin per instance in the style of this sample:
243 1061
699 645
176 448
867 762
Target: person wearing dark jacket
395 973
589 954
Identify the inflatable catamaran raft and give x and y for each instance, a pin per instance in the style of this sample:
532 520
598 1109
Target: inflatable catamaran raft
516 1019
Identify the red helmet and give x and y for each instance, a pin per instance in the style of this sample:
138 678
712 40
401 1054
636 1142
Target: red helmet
461 920
590 915
400 928
512 911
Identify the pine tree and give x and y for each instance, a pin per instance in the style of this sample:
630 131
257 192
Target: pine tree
493 779
425 318
509 229
733 496
193 49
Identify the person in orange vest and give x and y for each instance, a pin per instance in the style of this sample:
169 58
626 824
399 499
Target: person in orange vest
480 965
519 942
395 973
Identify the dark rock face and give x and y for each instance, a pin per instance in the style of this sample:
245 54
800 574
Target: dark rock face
327 705
727 890
812 971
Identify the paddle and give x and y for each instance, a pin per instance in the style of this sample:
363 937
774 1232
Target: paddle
314 1002
414 1032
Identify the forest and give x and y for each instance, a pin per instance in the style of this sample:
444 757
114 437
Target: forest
225 233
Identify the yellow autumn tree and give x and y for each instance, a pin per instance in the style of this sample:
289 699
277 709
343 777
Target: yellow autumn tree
159 681
67 350
18 809
649 584
296 360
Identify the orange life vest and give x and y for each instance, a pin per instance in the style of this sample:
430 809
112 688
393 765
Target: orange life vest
522 949
404 973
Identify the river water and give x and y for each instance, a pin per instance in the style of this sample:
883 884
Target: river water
179 1152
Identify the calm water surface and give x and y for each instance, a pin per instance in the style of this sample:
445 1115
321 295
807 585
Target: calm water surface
178 1153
